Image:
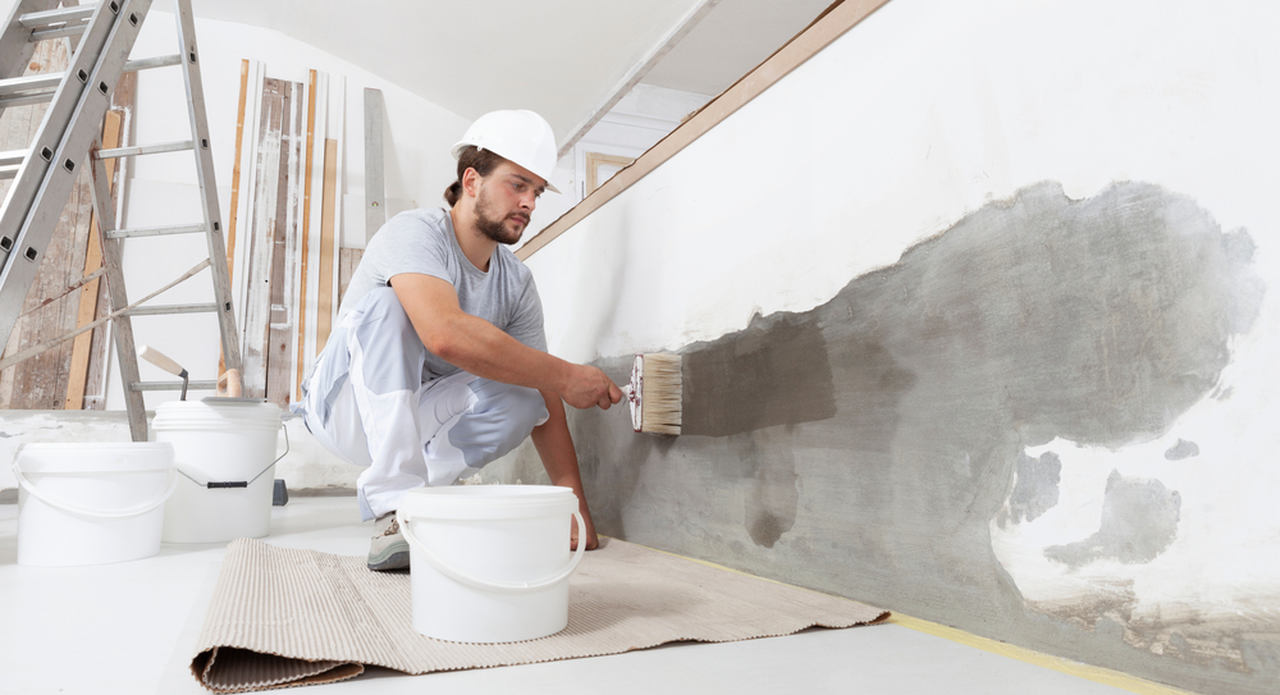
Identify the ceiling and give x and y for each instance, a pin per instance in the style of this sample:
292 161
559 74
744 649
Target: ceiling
563 58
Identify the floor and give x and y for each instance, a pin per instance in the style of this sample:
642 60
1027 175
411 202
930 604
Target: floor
130 628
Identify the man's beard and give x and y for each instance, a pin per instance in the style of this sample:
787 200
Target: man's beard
495 229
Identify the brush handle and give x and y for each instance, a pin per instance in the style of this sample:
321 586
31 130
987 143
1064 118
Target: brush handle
161 360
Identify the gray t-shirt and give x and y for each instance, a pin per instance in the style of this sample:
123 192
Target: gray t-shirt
422 241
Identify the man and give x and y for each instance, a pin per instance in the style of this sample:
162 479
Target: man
438 364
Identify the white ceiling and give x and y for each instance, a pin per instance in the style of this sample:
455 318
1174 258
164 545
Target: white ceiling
563 58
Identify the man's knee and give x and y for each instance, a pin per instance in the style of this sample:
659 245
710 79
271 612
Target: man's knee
502 418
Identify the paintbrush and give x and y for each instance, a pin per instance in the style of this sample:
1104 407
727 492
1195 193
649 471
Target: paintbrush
655 393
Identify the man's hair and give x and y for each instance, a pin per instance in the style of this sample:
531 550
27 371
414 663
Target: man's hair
471 157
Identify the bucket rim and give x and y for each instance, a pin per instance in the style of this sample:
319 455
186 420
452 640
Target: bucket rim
141 457
487 502
200 410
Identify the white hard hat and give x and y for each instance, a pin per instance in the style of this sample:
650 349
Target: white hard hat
518 135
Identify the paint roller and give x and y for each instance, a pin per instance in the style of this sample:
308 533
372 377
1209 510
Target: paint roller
655 393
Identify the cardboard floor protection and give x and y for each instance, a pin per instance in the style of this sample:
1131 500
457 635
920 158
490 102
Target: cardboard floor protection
282 617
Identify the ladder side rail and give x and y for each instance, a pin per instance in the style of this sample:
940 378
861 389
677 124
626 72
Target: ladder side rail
205 175
31 174
112 262
83 128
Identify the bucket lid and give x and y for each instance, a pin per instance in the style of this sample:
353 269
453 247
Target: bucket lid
95 457
182 414
488 502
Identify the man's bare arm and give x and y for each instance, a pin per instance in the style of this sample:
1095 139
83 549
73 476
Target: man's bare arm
479 347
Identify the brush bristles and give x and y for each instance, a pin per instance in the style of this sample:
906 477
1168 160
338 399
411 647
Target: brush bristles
660 403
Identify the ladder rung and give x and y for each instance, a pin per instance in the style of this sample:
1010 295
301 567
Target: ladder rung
156 231
45 18
9 171
144 149
58 32
167 309
43 82
12 157
57 23
193 385
34 89
156 62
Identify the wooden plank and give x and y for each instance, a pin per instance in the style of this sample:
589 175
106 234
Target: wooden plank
305 242
325 305
375 211
278 355
100 343
348 259
827 28
249 205
232 213
112 125
261 239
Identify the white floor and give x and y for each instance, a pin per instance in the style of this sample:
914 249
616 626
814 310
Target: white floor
131 628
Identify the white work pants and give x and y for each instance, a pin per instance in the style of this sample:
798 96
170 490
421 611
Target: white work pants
370 401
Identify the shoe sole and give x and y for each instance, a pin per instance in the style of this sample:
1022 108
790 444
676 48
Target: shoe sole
393 557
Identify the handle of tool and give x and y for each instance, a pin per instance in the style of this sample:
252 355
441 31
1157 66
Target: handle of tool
229 384
161 360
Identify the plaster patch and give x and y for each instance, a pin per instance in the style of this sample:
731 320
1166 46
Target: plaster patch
1139 521
1183 449
774 372
772 494
1036 488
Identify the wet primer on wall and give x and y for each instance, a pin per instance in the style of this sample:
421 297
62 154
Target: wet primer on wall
978 315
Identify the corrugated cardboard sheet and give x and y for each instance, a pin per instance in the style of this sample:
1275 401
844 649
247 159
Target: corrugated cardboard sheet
283 617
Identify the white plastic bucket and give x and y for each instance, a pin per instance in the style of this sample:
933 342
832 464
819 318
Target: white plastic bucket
490 563
225 453
91 503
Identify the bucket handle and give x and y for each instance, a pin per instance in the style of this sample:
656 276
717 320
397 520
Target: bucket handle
217 485
504 587
95 513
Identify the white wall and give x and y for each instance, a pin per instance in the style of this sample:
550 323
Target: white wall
162 189
924 113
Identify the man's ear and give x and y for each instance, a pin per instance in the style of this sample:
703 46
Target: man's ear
471 181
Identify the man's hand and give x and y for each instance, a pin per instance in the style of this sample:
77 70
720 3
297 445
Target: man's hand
574 535
588 387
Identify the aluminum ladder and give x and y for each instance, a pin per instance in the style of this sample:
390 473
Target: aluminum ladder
70 134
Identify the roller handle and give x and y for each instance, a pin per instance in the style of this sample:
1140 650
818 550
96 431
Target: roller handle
229 384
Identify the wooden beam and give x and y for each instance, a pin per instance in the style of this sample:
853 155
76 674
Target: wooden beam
827 28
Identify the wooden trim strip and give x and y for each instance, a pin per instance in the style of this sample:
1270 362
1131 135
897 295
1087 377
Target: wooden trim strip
827 28
235 170
328 243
